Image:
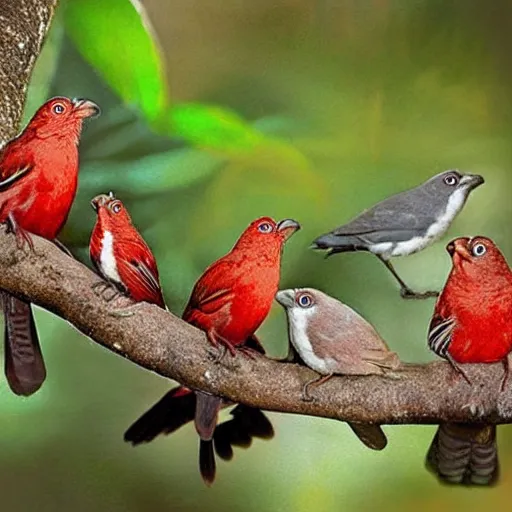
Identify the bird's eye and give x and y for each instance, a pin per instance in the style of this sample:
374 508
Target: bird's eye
116 207
265 227
305 300
451 180
479 250
58 108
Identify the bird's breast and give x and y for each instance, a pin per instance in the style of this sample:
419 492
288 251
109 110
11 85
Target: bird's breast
302 343
107 260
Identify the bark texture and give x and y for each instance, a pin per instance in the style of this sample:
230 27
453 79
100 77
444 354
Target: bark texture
161 342
23 27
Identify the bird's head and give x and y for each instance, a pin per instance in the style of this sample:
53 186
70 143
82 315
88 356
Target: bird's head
61 117
266 234
310 312
110 211
453 183
478 258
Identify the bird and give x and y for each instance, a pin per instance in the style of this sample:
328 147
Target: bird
122 258
229 302
332 339
38 181
472 323
405 223
120 254
177 408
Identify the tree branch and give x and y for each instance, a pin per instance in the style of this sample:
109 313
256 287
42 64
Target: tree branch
24 24
163 343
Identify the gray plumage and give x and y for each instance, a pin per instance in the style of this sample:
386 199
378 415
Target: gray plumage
404 223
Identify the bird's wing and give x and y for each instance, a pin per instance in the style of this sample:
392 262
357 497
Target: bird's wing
440 334
14 165
383 358
213 290
396 215
140 269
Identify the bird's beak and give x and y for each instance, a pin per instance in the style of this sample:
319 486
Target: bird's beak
472 181
85 108
286 298
458 249
287 227
99 201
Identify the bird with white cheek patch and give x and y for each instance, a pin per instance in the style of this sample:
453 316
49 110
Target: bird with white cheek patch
332 339
405 223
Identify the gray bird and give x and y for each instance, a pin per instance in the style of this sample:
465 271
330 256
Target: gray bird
332 339
405 223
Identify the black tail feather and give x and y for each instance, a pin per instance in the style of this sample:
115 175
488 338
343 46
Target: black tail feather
175 409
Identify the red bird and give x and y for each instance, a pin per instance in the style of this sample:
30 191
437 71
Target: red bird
472 323
38 181
229 302
121 255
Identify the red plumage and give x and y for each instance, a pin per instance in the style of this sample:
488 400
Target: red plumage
229 302
234 295
472 323
38 181
121 255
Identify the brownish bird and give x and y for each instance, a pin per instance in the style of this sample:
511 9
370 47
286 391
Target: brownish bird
333 339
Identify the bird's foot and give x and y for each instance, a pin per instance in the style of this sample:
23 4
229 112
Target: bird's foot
475 408
99 287
221 354
317 381
22 237
105 290
249 352
458 369
218 341
408 294
305 396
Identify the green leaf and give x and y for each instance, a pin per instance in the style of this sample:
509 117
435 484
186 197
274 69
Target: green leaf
213 127
223 131
150 174
116 38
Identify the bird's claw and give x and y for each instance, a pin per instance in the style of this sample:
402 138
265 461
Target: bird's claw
306 397
475 409
249 352
22 237
101 287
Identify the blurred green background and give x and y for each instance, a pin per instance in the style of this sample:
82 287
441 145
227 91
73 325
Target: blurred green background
291 108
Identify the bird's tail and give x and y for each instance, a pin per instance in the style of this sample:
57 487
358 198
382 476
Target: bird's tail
174 410
24 364
178 407
339 243
207 412
464 454
371 436
245 424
